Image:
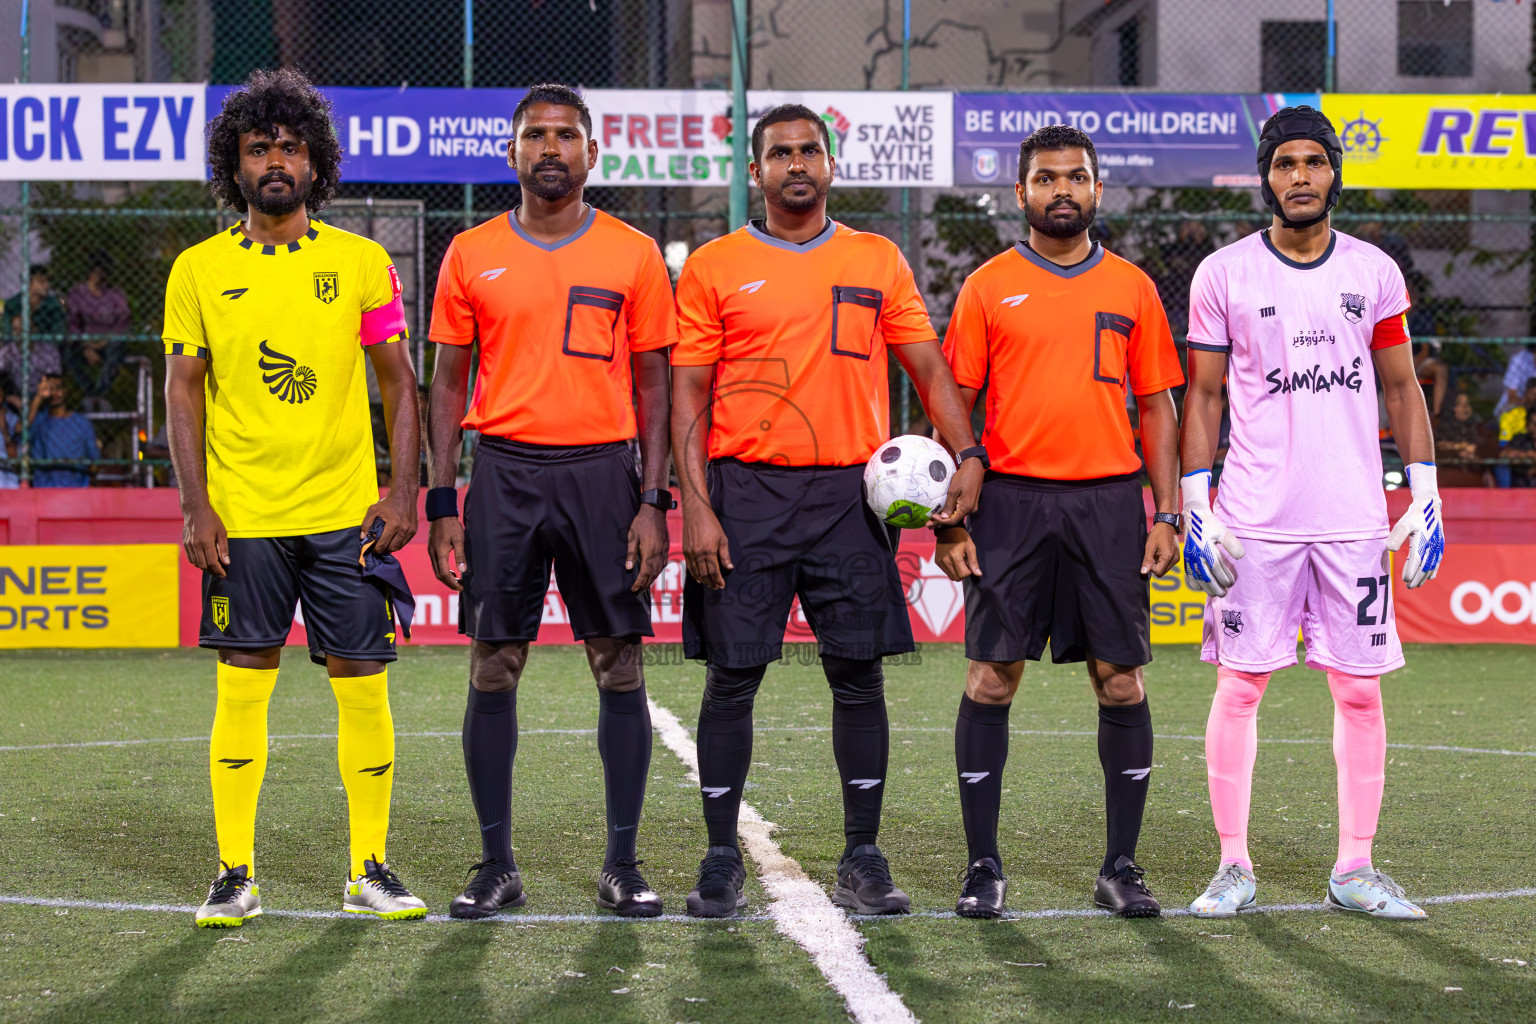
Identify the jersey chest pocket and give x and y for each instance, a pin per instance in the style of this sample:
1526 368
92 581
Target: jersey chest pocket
1111 340
855 318
591 320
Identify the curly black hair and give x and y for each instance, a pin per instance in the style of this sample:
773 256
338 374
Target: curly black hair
1055 137
268 99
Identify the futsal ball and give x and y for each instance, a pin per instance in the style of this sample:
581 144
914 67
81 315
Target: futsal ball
907 480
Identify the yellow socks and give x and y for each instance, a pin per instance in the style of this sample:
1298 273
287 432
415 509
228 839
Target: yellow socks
237 759
365 749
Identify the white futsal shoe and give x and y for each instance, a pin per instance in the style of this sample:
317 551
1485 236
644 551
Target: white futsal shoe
1368 891
1231 890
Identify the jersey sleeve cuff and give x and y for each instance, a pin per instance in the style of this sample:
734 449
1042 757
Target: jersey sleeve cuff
1159 385
1209 346
183 348
652 344
439 338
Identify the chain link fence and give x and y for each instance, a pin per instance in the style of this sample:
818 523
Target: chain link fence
104 249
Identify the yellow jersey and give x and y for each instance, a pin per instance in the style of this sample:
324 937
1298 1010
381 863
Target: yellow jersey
288 434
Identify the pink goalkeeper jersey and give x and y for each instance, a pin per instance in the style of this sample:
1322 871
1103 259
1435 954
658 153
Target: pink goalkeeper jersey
1304 459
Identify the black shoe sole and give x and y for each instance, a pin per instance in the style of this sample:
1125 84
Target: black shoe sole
637 910
849 900
476 914
978 913
1132 912
698 908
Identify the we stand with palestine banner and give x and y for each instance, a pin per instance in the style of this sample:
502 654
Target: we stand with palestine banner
673 138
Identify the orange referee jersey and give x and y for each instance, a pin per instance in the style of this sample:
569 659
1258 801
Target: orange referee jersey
556 323
1056 348
798 335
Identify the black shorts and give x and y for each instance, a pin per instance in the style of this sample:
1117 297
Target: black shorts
251 607
530 505
805 532
1059 560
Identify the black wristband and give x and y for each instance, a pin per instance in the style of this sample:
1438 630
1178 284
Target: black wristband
975 452
1171 518
442 503
660 498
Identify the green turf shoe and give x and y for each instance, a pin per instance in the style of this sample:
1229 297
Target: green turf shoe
1368 891
379 891
1234 888
232 899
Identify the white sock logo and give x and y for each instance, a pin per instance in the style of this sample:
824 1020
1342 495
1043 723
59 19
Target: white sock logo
864 783
1137 773
716 791
971 778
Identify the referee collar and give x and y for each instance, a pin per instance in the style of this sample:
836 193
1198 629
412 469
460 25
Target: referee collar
551 246
272 250
778 243
1094 258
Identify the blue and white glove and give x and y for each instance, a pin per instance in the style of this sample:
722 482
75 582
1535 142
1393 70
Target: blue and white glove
1420 527
1207 541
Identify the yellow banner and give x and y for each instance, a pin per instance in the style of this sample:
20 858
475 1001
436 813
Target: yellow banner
96 595
1435 141
1177 611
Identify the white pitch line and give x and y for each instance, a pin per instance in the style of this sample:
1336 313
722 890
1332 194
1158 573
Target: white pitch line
512 918
800 909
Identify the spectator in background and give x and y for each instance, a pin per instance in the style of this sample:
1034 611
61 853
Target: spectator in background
1522 367
96 310
11 428
1515 427
1458 437
1521 447
47 318
58 432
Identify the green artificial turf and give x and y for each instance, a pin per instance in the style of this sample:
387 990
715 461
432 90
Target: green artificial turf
133 824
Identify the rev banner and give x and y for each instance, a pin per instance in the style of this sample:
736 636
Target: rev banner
88 595
1436 141
101 132
1152 139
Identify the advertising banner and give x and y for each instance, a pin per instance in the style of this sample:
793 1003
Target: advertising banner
1484 593
101 132
1438 141
1150 139
88 595
683 137
419 135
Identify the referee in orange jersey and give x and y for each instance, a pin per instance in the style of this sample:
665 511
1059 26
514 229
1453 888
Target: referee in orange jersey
1056 330
780 382
571 313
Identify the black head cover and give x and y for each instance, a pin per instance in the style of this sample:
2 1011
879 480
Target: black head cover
1300 123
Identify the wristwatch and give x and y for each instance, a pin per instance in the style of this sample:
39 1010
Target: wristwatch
662 499
1173 519
976 452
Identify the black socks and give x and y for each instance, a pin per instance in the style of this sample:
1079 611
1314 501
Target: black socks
624 741
725 746
981 751
1125 751
861 743
490 744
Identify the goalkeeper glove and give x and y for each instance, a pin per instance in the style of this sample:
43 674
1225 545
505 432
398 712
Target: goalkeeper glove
1420 527
1205 567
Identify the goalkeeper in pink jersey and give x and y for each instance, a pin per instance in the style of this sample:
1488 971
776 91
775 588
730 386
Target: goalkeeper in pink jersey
1302 322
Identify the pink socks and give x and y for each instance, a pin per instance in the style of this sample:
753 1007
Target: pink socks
1360 750
1231 744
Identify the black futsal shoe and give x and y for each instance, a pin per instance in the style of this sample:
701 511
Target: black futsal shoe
722 881
494 888
864 884
1123 892
983 891
621 890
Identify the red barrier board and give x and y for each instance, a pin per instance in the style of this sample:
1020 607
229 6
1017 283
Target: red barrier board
1484 593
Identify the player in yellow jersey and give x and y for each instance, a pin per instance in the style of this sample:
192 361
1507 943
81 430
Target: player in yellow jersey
267 413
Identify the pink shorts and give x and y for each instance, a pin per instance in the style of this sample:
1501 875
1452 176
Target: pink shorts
1337 593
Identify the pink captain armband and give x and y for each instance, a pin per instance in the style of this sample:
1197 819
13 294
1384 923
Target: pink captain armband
383 323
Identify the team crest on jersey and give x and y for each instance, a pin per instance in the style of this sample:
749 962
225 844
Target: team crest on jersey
1232 622
1353 306
220 612
327 287
285 378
